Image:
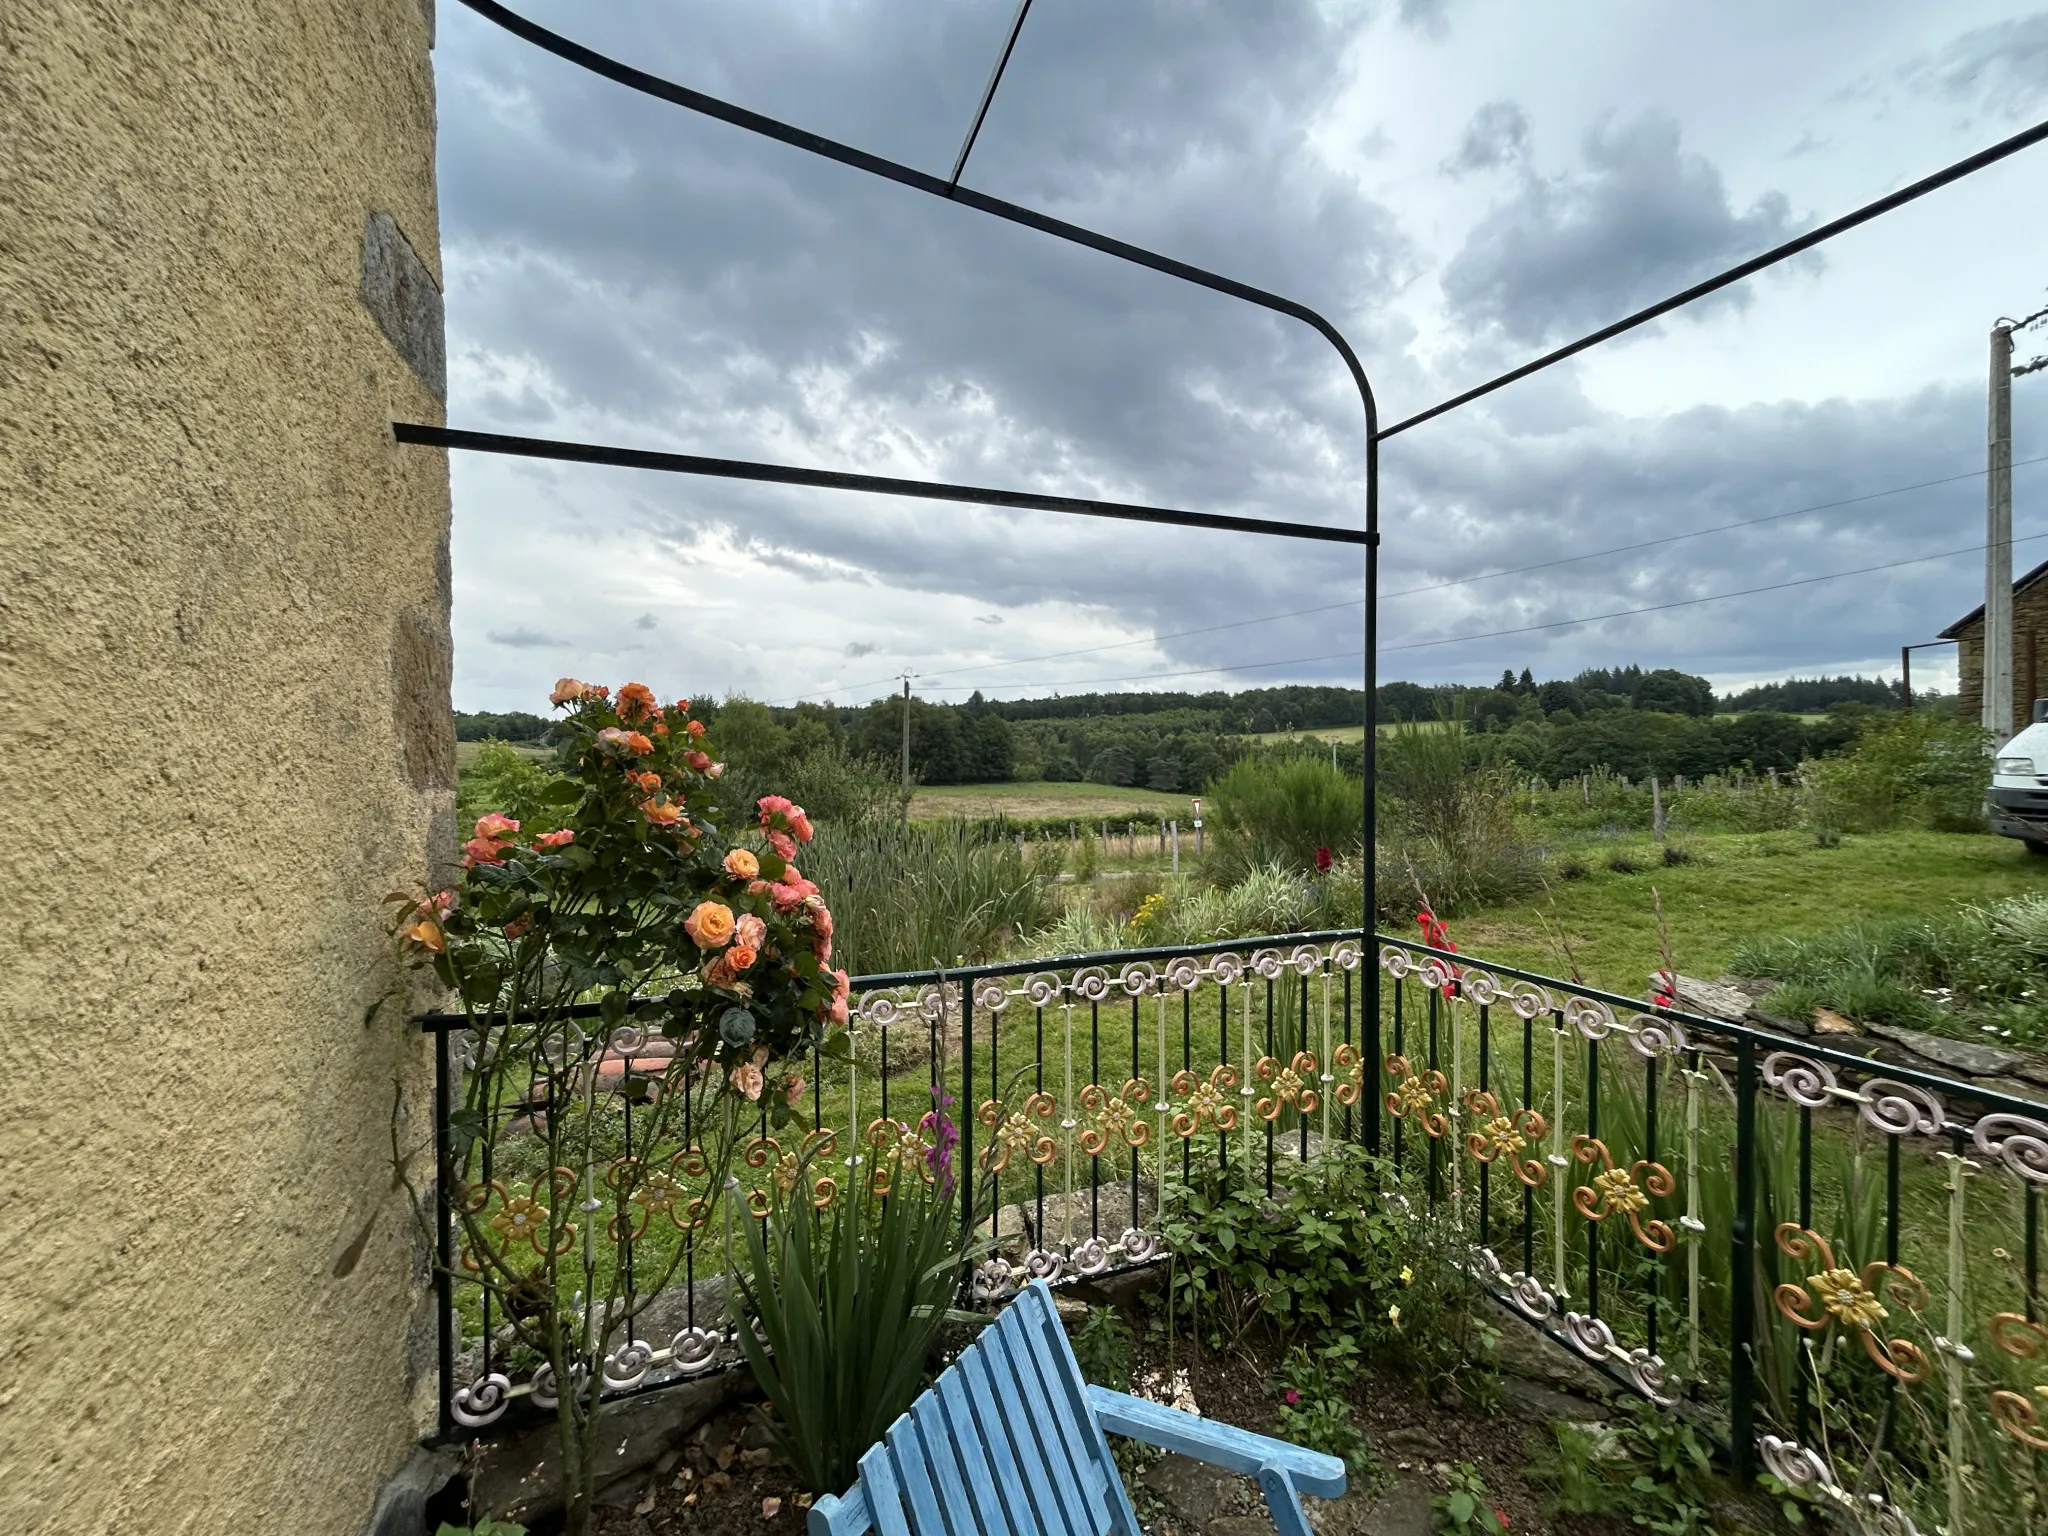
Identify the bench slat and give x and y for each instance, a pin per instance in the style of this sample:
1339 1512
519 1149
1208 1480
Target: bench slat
1056 1359
1044 1386
1036 1439
885 1500
941 1449
913 1474
998 1511
1022 1452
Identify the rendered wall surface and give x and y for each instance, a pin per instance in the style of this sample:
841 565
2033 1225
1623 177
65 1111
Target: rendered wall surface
224 735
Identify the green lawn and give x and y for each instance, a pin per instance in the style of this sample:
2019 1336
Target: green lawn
1740 886
1038 799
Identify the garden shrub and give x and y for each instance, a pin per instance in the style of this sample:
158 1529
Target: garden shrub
1279 812
1912 768
1452 829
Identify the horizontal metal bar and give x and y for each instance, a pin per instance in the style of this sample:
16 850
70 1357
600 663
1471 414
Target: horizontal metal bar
1946 1086
1735 274
839 480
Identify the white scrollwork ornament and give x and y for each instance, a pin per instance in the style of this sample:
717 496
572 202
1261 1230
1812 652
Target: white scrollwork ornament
695 1350
990 995
1138 1245
1041 989
1345 954
1225 969
1652 1036
1090 1257
1801 1079
627 1366
1268 963
1794 1465
1305 959
1183 973
1593 1019
1646 1373
1138 979
483 1401
1090 985
1588 1335
1900 1109
1045 1264
992 1281
2017 1141
1395 961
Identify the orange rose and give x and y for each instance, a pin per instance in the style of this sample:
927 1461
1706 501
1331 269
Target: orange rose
696 728
747 1078
424 934
663 813
741 959
710 926
568 691
650 782
636 703
742 865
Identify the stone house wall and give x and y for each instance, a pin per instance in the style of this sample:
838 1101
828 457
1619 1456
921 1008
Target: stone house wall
224 736
2029 656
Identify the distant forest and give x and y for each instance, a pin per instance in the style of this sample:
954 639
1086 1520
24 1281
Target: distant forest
1625 719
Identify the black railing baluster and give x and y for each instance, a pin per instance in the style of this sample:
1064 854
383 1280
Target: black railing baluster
1095 1158
1309 1081
1400 1049
1038 1086
1528 1190
1651 1067
1485 1183
1742 1268
1593 1130
965 1118
444 1271
1802 1390
1187 1059
2033 1251
1435 1148
1276 1119
1137 1112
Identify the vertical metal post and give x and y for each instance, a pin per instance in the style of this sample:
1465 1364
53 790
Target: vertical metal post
1997 714
906 750
1742 1271
966 1120
444 1267
1905 677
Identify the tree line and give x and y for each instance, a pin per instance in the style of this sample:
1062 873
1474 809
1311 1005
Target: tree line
1628 720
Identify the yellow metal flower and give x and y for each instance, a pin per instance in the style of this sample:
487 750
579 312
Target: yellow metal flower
1202 1102
1014 1134
1411 1096
521 1219
1847 1297
1620 1190
1502 1136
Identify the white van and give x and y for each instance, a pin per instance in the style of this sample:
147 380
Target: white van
2017 801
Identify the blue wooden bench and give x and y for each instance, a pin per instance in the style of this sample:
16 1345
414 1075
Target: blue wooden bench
1010 1441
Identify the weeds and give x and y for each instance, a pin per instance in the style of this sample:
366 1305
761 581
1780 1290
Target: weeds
1466 1506
1102 1347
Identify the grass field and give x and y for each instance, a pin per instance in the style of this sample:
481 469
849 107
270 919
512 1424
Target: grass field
1083 802
466 751
1741 886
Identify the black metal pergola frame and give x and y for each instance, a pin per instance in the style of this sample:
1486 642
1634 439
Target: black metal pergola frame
949 188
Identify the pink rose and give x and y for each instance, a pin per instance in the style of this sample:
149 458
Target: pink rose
561 839
792 1090
771 806
747 1078
821 915
783 844
567 691
800 824
481 850
751 931
497 827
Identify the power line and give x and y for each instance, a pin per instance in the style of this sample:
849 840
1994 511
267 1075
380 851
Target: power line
1461 581
1525 629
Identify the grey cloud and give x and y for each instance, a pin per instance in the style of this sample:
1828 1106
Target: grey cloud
2002 68
645 621
521 639
859 648
988 618
1497 135
1643 219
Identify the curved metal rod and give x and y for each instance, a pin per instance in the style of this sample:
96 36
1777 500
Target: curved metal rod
922 181
1967 166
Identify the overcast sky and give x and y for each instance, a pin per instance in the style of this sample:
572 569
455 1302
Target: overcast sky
1457 184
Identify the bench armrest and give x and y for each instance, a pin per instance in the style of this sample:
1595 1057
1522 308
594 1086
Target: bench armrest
1220 1445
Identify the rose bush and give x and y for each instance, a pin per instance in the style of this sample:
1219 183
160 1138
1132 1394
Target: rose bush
640 899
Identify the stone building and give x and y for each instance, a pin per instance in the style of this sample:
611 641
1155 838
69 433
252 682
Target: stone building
224 736
2029 650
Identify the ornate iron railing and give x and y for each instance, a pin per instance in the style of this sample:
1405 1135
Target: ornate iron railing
1767 1234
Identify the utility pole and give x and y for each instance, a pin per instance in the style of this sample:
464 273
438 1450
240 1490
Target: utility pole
1997 694
906 749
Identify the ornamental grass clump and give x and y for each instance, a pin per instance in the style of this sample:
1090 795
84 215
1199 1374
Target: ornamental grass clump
635 982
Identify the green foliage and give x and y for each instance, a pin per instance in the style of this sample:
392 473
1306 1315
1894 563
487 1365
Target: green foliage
905 897
484 1527
1084 858
1465 1506
1102 1346
801 753
1315 1408
1650 1466
851 1300
511 783
1451 829
1280 812
1908 769
1971 972
516 725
